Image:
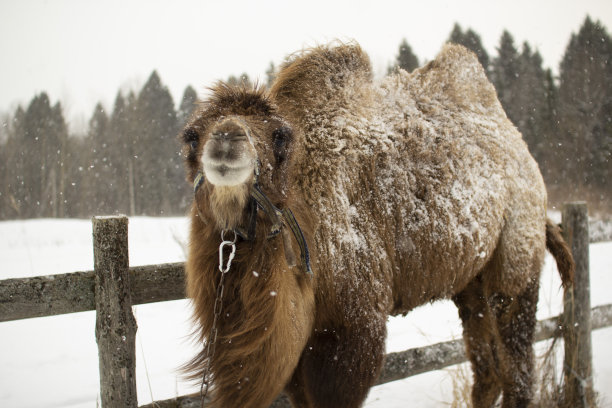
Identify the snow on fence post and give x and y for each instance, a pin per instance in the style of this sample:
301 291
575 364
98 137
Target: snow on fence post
115 323
577 371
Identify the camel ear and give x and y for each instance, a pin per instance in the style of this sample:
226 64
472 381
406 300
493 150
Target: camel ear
281 141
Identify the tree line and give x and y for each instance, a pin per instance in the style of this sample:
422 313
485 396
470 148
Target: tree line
128 161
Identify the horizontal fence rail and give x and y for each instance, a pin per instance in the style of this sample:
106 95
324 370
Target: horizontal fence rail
24 298
41 296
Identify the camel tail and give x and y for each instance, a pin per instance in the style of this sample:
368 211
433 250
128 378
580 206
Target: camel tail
562 253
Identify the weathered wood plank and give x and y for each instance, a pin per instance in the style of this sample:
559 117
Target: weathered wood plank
187 401
46 295
193 401
421 359
51 295
437 356
115 322
157 283
601 316
578 360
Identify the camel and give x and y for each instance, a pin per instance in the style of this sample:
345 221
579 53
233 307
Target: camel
331 201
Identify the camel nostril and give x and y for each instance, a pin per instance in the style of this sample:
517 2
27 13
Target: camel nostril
228 137
224 150
229 130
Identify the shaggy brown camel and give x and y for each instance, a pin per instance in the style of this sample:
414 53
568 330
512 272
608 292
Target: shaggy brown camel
347 201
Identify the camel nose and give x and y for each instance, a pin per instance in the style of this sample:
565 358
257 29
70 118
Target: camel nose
229 130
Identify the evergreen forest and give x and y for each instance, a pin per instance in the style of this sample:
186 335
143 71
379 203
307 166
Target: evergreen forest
128 160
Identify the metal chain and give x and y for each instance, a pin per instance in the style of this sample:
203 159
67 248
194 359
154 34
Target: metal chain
211 342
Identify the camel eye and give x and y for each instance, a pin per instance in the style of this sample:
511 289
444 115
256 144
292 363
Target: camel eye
281 137
191 137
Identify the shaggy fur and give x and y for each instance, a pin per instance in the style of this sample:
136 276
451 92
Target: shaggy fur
408 191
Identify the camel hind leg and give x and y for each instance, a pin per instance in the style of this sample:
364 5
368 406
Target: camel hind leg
482 343
499 328
499 332
516 320
511 283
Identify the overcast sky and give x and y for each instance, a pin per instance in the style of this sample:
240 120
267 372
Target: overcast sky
82 51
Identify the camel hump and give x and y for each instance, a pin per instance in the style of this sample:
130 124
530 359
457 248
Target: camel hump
315 78
457 77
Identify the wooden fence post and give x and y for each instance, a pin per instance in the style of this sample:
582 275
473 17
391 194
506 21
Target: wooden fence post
115 323
577 371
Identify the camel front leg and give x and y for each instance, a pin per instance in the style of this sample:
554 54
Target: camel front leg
339 365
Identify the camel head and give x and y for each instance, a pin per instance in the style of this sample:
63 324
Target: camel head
236 142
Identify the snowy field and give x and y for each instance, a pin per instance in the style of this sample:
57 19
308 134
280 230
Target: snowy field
53 361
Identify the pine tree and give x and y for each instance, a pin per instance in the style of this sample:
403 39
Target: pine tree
188 104
157 148
179 188
36 120
456 35
585 98
4 176
528 94
73 169
44 131
530 103
505 74
133 136
405 59
242 80
270 74
58 160
15 163
96 185
550 130
120 155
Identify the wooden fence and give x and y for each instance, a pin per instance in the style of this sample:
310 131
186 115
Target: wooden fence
113 287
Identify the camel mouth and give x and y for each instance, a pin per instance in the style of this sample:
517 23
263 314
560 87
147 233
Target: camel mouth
228 173
227 176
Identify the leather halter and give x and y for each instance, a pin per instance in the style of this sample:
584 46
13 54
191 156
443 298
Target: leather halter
278 218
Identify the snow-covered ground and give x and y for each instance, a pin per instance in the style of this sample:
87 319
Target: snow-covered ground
53 361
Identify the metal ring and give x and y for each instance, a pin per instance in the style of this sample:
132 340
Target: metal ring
232 241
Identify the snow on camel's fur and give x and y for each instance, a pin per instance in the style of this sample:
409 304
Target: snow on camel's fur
415 189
